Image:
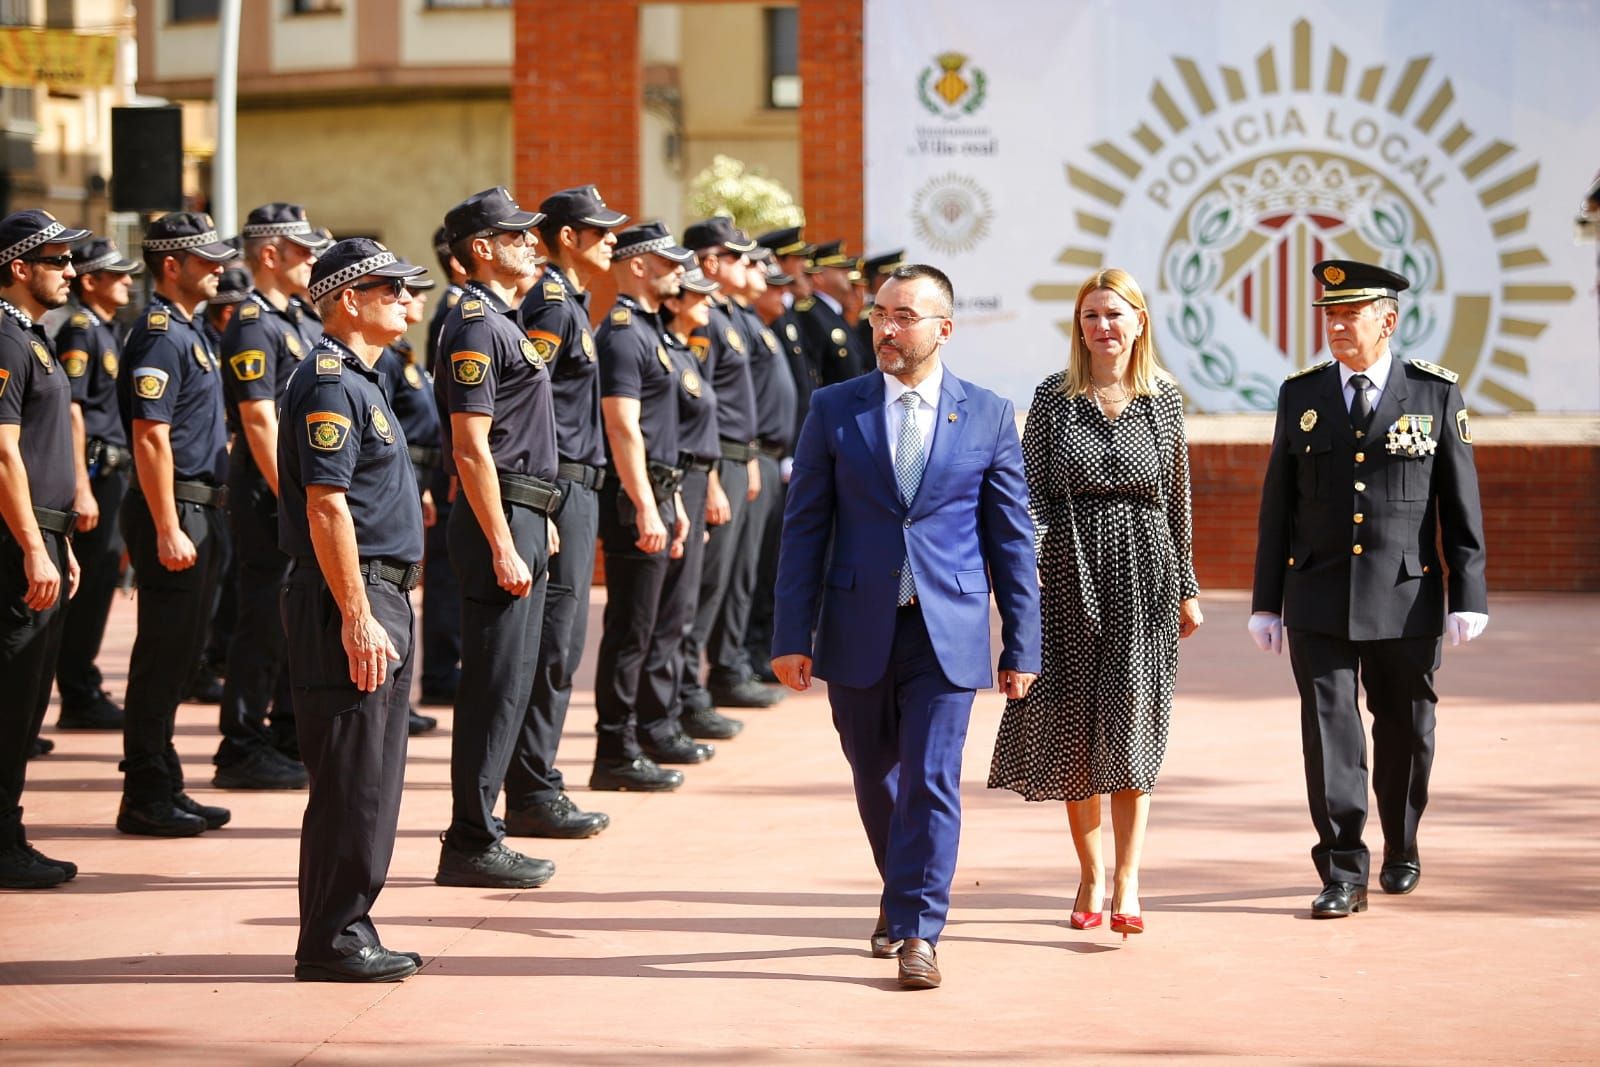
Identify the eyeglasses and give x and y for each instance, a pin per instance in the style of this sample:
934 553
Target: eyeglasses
903 320
63 260
393 285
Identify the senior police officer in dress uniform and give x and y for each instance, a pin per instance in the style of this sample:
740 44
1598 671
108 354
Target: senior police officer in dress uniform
578 238
441 596
90 349
169 389
264 342
499 432
1371 471
351 523
410 392
642 522
38 572
830 337
723 254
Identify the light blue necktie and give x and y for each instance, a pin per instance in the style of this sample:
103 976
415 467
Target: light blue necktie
908 463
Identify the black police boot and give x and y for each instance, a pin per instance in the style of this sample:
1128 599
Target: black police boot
100 713
68 869
496 867
708 724
264 768
22 868
215 818
420 724
558 817
676 747
42 746
373 963
158 818
641 775
745 693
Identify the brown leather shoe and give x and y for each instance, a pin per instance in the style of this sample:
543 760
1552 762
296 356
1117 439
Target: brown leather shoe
919 965
883 947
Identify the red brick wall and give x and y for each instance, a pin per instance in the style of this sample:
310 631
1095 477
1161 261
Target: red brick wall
831 77
1541 515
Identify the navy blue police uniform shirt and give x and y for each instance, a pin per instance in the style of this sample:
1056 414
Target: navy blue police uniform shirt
90 353
260 349
697 405
771 379
304 315
634 364
556 319
452 296
410 394
36 395
170 374
338 430
726 362
487 367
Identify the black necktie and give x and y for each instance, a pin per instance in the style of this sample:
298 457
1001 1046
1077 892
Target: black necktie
1361 407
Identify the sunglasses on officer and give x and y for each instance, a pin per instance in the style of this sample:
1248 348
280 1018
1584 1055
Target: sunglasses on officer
62 261
392 286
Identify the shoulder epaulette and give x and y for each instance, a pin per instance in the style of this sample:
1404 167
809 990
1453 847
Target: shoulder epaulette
621 317
472 309
554 291
805 304
80 320
1433 368
1308 370
250 310
157 320
329 365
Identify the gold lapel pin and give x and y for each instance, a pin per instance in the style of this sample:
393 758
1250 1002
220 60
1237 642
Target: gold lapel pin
951 416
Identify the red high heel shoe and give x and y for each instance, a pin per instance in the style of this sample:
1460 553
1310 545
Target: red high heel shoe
1085 920
1126 924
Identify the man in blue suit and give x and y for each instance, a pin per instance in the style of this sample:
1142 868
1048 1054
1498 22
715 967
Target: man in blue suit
906 503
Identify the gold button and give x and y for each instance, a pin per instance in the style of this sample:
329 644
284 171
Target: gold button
1361 457
1361 487
1356 550
1360 518
1291 561
1425 569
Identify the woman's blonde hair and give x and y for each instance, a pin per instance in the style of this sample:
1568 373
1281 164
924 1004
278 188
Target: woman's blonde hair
1147 369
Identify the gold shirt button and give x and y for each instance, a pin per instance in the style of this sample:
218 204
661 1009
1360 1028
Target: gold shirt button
1361 457
1360 518
1361 487
1356 550
1425 569
1291 561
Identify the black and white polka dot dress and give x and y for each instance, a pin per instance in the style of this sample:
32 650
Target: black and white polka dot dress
1110 501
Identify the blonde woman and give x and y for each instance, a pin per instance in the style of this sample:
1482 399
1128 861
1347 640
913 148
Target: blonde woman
1108 480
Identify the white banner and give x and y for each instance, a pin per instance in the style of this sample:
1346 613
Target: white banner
1217 151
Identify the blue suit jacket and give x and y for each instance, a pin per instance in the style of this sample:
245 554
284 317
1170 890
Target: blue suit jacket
846 532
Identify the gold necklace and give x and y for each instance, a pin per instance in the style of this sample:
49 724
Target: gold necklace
1102 399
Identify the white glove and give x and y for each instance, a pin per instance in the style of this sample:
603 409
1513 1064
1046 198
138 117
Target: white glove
1266 630
785 468
1463 626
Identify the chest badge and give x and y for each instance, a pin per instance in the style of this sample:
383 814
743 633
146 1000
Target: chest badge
793 334
588 346
770 339
293 344
691 383
734 341
534 353
413 376
380 423
1308 420
43 355
108 361
201 358
661 354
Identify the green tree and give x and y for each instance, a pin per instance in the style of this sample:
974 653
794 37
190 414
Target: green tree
756 202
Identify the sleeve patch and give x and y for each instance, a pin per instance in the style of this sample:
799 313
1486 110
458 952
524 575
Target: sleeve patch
1462 429
149 383
249 366
469 368
5 380
544 343
327 430
701 346
75 362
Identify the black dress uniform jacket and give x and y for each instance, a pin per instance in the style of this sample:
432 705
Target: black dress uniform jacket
1350 527
832 344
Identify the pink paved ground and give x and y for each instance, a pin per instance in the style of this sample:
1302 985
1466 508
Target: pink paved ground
726 924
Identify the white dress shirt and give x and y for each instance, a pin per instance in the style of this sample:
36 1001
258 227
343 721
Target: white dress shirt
1377 374
927 407
838 308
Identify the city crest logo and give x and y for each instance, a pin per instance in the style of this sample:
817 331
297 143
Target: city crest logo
1221 197
952 213
950 88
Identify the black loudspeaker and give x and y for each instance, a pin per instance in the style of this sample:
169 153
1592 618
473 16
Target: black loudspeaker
146 159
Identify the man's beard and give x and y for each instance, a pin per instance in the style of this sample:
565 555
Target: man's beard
53 297
902 359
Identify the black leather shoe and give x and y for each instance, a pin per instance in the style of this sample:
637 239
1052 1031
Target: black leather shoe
559 817
884 947
678 748
158 818
21 868
496 867
68 868
642 775
766 675
42 746
1401 872
414 957
438 698
748 693
265 768
919 965
373 963
708 724
215 818
1339 899
420 724
101 713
